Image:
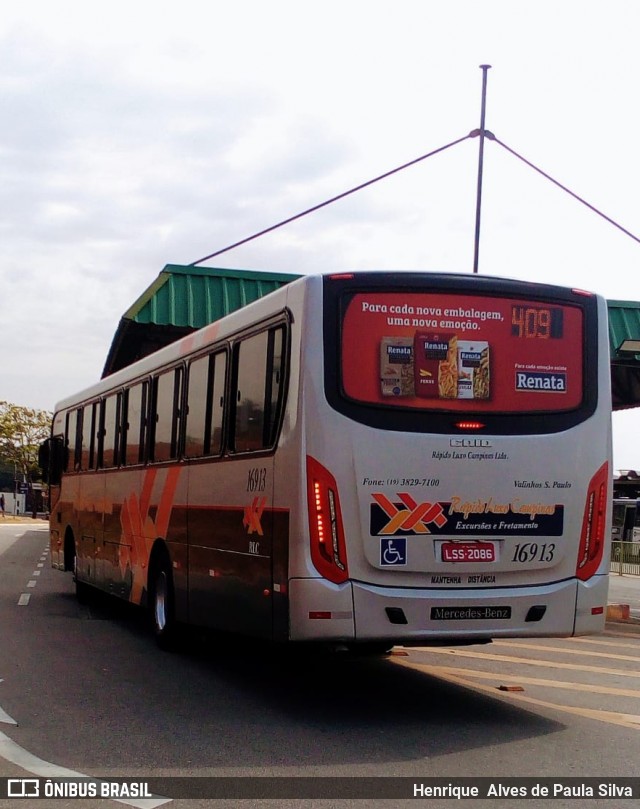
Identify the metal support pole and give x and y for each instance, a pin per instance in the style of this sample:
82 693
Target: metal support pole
484 69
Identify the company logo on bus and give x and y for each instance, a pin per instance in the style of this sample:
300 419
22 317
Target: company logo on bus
470 442
253 515
404 517
464 517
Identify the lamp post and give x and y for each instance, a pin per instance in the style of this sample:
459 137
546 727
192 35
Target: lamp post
483 106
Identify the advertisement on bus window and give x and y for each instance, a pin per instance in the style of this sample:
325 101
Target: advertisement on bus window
462 352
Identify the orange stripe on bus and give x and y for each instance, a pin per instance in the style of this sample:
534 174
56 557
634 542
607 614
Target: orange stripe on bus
147 488
166 500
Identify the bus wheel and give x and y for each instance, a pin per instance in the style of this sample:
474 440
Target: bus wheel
162 604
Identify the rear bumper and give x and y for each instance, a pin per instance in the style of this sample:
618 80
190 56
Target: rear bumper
356 612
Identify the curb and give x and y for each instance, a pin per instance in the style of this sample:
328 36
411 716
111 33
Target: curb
619 615
618 612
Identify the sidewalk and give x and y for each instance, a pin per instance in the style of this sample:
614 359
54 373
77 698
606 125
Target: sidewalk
22 519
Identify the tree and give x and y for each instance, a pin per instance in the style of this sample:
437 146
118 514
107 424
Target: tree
22 430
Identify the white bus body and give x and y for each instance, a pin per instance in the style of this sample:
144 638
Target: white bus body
427 460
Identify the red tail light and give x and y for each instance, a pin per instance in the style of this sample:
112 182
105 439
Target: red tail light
328 552
592 536
469 425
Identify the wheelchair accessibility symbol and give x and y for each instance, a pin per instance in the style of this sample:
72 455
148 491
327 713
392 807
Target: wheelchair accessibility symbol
393 551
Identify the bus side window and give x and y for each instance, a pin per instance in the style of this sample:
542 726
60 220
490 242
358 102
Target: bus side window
259 394
77 444
134 425
165 428
197 407
120 446
250 393
107 456
275 384
205 409
73 440
88 433
70 440
216 393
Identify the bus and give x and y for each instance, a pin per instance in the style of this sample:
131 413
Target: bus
359 460
625 529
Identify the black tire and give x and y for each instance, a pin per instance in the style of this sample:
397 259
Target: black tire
162 604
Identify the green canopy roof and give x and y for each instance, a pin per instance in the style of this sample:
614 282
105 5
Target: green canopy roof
181 300
624 324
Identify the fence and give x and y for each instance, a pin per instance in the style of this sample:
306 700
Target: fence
625 558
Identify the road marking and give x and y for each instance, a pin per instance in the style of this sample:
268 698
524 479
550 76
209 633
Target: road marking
633 644
4 717
22 758
24 599
551 664
36 572
32 583
609 717
563 650
516 678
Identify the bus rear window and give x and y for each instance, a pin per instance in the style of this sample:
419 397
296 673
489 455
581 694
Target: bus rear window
458 352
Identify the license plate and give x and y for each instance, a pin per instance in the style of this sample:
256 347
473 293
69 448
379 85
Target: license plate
468 552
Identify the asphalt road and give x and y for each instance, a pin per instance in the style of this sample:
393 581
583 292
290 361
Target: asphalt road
84 689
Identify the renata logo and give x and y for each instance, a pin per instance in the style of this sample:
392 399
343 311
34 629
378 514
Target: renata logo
405 517
538 381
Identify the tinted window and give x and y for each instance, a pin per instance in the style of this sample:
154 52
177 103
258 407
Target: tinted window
197 407
250 393
88 436
259 390
71 440
205 405
217 403
275 382
134 425
167 413
109 422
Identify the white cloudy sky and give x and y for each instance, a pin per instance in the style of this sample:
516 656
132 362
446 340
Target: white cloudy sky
139 134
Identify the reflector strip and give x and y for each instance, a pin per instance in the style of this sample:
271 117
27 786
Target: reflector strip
323 615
